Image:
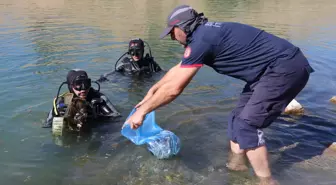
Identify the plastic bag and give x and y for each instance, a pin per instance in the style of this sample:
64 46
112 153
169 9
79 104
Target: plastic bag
164 145
161 143
148 128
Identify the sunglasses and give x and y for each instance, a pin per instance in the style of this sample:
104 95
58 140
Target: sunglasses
81 83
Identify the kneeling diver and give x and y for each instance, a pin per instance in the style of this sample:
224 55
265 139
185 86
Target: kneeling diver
82 102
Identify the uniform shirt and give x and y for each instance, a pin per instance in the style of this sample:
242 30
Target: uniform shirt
237 50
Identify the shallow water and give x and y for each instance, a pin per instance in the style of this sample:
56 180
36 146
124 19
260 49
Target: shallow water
41 40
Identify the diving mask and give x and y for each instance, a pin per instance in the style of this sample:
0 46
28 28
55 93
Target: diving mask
135 52
81 83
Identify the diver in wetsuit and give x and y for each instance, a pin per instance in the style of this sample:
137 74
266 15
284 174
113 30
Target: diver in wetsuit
135 62
85 102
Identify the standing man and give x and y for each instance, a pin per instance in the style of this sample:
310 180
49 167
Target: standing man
274 70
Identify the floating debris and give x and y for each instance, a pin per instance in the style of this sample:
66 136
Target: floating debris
282 149
27 179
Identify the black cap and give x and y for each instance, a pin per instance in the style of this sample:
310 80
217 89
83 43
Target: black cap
178 16
136 43
73 74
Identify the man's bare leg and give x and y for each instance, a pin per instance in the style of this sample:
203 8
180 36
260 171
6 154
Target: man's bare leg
259 160
237 158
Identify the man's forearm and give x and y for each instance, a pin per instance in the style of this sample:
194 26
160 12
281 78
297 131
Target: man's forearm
164 79
165 94
168 88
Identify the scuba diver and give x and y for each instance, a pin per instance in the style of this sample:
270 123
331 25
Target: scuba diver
73 109
136 62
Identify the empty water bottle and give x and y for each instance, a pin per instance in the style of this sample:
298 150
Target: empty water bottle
161 143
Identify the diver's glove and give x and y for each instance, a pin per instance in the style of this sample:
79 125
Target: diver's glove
102 78
100 108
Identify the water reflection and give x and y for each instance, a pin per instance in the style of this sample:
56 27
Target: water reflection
42 40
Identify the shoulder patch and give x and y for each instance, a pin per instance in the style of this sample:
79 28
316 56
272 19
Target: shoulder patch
187 52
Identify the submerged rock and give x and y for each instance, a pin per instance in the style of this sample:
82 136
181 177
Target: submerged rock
294 107
333 146
333 99
326 161
331 150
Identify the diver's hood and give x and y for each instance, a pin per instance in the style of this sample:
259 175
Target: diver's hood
72 75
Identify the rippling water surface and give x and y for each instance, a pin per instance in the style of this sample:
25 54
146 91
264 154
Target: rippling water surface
41 40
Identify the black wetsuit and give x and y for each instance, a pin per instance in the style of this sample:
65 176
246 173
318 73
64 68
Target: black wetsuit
146 66
93 95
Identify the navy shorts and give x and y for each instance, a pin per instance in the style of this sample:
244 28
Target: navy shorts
263 101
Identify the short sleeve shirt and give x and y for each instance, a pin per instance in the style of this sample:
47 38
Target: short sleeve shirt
237 50
196 54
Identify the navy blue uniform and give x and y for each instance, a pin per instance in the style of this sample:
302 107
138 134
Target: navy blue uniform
275 71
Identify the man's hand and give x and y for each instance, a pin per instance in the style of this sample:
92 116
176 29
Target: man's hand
165 91
136 120
102 78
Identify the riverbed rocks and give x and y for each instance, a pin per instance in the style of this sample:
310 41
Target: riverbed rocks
333 99
326 161
331 150
294 107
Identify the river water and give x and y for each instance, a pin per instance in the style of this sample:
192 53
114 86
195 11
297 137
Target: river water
41 40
